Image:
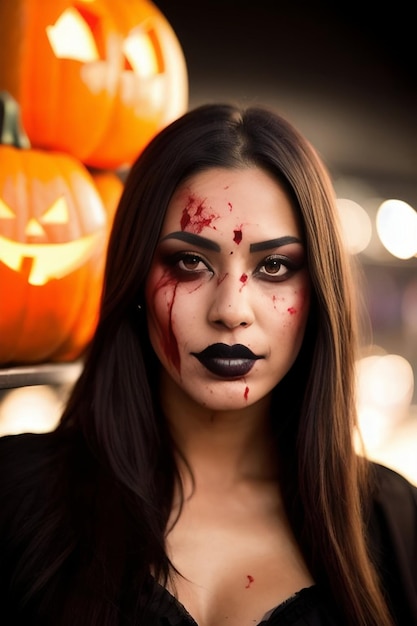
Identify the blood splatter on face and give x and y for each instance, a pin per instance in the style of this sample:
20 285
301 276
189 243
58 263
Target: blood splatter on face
185 219
237 236
250 581
209 286
196 216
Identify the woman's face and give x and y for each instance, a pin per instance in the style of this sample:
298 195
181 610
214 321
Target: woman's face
228 291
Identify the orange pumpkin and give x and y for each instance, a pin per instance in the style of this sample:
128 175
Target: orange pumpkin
110 186
53 231
94 78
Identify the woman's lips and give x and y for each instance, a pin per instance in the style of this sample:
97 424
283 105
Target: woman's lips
227 361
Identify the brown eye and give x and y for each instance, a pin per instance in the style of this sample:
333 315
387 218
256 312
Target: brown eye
191 263
273 266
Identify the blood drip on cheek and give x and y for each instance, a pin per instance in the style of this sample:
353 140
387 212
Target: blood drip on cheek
246 393
169 341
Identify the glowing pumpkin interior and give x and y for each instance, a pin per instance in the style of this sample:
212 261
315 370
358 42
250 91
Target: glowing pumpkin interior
39 245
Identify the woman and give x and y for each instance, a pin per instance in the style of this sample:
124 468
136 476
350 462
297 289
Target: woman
204 470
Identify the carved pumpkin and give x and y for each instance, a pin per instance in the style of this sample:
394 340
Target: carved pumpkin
110 186
94 78
53 230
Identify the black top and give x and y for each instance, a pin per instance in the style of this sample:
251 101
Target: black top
37 470
305 608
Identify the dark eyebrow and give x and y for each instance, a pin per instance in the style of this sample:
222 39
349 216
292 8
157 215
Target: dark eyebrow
208 244
273 243
196 240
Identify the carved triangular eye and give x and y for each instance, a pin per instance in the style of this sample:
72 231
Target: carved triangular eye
71 37
140 49
5 211
57 213
34 229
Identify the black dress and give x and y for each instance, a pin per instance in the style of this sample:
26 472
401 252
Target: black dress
38 469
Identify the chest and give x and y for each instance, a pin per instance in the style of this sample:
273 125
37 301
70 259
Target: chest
233 569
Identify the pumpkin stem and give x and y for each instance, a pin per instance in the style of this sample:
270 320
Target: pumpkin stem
11 130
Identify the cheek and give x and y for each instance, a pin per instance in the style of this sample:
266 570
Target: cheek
160 294
293 306
299 303
298 310
161 297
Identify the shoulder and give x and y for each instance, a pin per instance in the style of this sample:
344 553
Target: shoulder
23 453
390 479
393 539
26 446
394 510
394 497
394 513
42 503
31 465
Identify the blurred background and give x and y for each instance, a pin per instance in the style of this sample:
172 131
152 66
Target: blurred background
345 75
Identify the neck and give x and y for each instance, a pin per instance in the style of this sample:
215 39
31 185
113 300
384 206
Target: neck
220 447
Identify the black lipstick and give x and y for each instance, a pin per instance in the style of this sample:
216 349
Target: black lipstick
227 361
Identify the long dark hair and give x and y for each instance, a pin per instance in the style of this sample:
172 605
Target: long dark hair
115 401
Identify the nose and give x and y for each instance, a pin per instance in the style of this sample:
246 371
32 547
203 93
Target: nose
231 306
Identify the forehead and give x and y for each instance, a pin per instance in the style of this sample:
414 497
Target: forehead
219 199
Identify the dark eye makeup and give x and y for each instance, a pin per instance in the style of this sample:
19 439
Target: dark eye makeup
277 268
187 265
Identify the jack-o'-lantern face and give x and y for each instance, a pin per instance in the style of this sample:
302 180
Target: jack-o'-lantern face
131 67
53 234
39 240
98 78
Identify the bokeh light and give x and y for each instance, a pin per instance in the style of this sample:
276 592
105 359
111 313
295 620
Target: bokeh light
356 225
396 223
385 386
29 409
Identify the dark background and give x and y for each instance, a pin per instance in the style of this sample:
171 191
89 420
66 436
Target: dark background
344 74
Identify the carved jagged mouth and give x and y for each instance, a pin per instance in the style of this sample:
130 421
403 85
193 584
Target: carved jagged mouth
44 261
227 361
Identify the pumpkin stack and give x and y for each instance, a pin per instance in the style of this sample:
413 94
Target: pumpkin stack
85 85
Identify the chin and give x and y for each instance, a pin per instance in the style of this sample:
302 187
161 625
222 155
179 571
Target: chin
235 399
